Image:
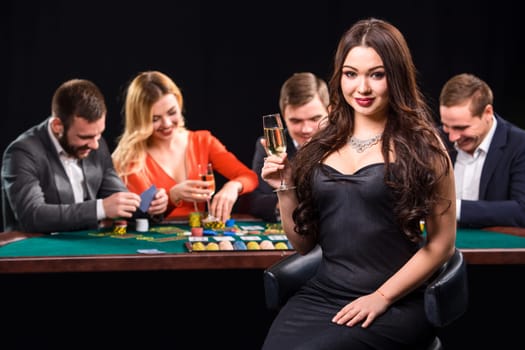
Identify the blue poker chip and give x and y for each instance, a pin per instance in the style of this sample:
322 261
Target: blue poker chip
230 223
239 245
229 233
209 233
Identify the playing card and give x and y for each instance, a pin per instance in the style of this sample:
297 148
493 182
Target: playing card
146 197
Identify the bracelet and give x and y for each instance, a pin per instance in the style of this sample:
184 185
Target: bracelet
284 189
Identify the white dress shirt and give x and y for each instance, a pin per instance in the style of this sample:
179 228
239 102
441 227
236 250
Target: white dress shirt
75 174
467 170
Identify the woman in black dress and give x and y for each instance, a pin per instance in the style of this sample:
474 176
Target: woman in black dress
359 189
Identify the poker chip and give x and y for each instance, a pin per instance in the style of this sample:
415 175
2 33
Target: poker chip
267 245
281 246
120 227
215 225
198 246
209 232
142 225
239 245
212 246
194 219
196 231
252 245
225 245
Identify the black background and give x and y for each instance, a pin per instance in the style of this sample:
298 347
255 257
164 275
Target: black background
209 309
231 58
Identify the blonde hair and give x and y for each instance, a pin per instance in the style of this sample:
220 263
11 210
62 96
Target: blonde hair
142 93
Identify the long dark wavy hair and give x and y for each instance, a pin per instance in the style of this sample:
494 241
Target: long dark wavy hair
420 159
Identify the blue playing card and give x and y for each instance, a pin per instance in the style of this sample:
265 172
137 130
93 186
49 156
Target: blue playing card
146 197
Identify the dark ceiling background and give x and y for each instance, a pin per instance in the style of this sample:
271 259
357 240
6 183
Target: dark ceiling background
230 59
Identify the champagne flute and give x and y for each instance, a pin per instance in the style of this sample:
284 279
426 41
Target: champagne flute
206 174
275 141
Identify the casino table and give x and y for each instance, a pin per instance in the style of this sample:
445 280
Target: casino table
165 247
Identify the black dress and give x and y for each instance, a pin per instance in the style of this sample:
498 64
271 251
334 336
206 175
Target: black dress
362 247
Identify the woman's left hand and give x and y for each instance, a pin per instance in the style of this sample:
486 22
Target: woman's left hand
364 309
159 204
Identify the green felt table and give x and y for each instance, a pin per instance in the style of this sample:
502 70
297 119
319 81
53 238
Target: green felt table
165 247
159 239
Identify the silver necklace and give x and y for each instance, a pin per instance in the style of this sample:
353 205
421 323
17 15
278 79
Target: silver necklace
361 145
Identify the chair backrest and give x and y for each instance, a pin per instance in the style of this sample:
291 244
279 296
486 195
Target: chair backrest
284 277
446 296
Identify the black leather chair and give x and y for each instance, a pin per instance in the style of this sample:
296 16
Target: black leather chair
446 296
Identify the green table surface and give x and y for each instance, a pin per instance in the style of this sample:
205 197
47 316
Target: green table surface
169 239
159 239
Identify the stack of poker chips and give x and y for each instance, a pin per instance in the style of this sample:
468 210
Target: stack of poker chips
197 231
120 227
214 225
194 220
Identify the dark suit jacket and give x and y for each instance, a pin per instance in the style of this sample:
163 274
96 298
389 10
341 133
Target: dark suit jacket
502 185
36 193
262 201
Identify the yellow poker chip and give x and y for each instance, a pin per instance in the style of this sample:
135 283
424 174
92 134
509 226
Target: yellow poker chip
119 227
214 225
198 246
212 246
273 228
252 245
194 220
281 246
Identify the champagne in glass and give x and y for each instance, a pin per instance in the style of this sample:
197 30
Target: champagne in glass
275 141
206 174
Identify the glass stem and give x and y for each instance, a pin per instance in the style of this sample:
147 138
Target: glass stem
208 206
283 185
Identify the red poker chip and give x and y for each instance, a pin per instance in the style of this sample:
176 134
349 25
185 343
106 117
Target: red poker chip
120 223
197 231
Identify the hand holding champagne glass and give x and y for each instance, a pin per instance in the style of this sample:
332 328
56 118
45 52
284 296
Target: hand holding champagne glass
206 174
275 141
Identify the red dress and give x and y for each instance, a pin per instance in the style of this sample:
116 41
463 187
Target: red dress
202 148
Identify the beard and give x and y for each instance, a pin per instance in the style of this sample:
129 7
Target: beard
74 151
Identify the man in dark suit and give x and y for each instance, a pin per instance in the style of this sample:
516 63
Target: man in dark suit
303 103
59 175
488 154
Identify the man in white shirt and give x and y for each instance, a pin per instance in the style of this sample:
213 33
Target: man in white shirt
488 154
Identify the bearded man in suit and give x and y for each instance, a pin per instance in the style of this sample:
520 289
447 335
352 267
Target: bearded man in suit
59 175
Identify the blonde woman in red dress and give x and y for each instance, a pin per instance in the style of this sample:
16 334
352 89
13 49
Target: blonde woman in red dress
157 149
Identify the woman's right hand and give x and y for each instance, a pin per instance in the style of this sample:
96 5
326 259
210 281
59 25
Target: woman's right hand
272 166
